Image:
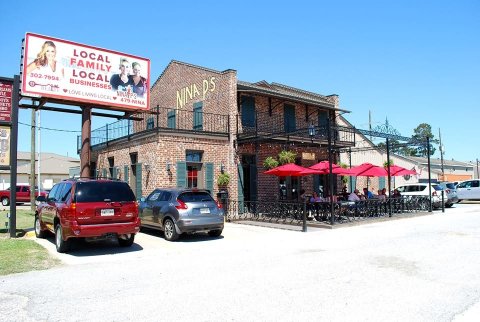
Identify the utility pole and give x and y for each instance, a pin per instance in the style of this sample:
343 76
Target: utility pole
32 161
477 170
441 154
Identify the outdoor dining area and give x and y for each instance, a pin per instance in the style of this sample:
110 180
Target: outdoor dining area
331 208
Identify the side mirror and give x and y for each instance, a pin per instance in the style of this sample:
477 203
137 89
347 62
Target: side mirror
41 199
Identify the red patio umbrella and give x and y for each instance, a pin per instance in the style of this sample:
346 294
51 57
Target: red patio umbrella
396 170
323 167
368 170
289 170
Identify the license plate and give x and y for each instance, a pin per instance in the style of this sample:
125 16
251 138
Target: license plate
204 210
107 212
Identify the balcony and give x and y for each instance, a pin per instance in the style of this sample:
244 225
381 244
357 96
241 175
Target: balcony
161 120
272 127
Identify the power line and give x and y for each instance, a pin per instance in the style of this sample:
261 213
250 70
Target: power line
50 129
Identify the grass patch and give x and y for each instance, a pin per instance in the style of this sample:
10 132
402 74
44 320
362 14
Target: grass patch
25 221
19 254
23 255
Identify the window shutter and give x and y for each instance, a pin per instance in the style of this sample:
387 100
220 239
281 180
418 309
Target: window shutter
354 183
381 182
181 174
289 118
248 111
171 119
138 181
209 177
198 116
114 172
95 173
125 176
104 173
240 189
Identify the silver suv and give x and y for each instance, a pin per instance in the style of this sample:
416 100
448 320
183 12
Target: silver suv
450 193
421 189
181 210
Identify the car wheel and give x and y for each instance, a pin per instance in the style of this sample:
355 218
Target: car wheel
62 245
448 205
169 230
459 200
126 242
5 201
39 233
215 233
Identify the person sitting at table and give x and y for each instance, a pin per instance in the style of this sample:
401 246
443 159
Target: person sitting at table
367 194
354 196
396 194
381 195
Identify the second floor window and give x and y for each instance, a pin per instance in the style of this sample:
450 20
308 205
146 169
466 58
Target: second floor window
289 118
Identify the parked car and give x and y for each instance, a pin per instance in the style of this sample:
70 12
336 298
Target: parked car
469 189
450 195
181 210
421 189
90 209
22 194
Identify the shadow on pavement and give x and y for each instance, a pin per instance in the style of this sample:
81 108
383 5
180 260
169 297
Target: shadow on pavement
186 237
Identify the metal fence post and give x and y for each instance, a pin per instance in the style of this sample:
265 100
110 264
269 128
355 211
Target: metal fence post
304 227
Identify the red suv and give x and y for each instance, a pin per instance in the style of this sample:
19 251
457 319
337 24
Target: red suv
88 208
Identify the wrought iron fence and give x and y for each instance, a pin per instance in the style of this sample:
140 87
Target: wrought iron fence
161 119
292 213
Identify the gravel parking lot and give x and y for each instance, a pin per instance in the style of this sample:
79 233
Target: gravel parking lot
416 269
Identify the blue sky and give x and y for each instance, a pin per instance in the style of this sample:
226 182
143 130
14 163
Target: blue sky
410 62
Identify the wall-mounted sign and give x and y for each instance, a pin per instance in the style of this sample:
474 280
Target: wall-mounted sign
193 91
6 88
4 146
308 156
60 69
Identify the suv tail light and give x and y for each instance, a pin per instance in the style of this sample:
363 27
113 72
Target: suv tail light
434 193
219 205
447 191
181 205
71 209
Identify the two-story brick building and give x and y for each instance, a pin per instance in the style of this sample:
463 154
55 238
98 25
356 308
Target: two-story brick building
203 122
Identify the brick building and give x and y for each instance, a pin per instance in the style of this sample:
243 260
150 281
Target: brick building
203 122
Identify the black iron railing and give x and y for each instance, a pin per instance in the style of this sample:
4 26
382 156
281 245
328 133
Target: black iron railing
265 125
293 213
161 119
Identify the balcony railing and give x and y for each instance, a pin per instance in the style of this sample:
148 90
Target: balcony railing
162 120
273 126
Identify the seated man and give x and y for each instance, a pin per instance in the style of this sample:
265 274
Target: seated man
354 196
367 194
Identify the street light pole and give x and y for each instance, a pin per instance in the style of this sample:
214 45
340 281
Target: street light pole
330 170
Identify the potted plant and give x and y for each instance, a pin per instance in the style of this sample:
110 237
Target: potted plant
270 163
285 157
223 179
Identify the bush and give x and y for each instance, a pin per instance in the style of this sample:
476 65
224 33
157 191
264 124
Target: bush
223 179
270 163
285 157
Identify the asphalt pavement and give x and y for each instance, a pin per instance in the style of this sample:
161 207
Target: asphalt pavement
414 269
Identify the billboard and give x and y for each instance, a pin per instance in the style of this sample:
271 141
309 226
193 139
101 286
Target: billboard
6 88
4 146
68 71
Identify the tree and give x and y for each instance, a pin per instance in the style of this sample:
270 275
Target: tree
421 133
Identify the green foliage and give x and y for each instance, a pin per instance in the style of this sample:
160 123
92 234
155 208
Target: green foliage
387 163
223 179
344 166
285 157
270 163
421 133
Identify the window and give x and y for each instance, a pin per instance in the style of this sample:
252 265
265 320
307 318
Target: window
150 123
199 196
475 184
194 156
171 119
65 193
192 176
97 192
198 116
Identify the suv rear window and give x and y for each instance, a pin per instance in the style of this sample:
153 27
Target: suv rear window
195 196
95 191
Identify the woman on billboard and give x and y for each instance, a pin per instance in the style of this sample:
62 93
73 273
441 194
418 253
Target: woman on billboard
122 81
139 82
45 62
